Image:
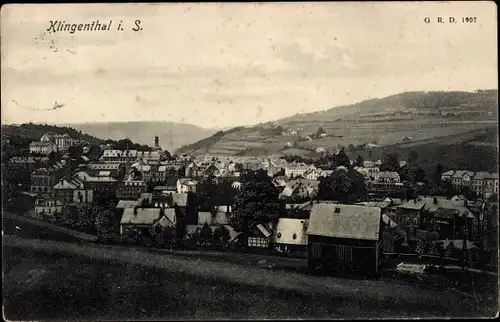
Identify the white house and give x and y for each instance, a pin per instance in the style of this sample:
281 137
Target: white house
44 148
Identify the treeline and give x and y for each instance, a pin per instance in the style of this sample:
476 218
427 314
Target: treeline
34 131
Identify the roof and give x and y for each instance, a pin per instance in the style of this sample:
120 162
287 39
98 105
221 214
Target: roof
104 166
389 222
143 216
169 219
415 204
351 221
188 182
126 204
389 174
220 218
180 199
73 182
119 153
41 144
287 228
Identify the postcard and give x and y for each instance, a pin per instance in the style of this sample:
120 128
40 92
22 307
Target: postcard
221 161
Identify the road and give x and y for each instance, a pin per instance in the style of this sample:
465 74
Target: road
58 280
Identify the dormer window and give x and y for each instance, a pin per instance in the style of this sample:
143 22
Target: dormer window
337 210
294 236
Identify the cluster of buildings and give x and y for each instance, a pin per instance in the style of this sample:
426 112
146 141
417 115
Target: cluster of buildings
52 142
483 183
149 189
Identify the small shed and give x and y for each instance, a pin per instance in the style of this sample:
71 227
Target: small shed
345 238
290 235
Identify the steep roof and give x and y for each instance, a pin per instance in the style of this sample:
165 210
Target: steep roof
143 216
345 221
73 182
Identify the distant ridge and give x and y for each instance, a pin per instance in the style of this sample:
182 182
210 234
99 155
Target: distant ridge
418 115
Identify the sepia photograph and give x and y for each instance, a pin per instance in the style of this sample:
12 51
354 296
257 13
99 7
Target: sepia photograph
250 161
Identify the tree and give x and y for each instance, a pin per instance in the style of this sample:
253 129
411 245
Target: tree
70 214
437 174
206 234
256 203
320 131
412 157
418 175
357 190
104 223
390 162
359 161
336 186
342 159
208 194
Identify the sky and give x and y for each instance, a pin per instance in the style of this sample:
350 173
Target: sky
221 65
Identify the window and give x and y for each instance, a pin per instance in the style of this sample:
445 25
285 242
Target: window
337 210
294 236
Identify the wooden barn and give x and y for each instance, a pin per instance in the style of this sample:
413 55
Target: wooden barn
345 238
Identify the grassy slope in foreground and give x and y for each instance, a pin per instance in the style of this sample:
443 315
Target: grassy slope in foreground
48 280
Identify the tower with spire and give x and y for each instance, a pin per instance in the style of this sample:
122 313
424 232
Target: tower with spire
127 159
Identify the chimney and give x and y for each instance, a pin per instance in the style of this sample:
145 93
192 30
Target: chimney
435 200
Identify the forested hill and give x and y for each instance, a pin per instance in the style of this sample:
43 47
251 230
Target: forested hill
33 132
22 135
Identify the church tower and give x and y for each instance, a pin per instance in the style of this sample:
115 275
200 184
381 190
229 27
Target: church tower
157 142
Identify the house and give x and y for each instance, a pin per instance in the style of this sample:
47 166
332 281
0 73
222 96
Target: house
345 237
290 235
260 236
219 218
483 183
186 185
44 148
72 189
116 170
446 176
462 178
388 177
161 174
448 217
62 141
28 163
294 170
325 173
43 179
406 139
312 174
47 207
143 220
130 189
409 215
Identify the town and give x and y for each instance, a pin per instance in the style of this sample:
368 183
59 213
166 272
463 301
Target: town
257 161
347 215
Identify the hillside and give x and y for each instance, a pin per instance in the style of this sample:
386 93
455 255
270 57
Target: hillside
171 135
422 116
33 132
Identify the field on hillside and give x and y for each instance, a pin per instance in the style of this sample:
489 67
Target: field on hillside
343 133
